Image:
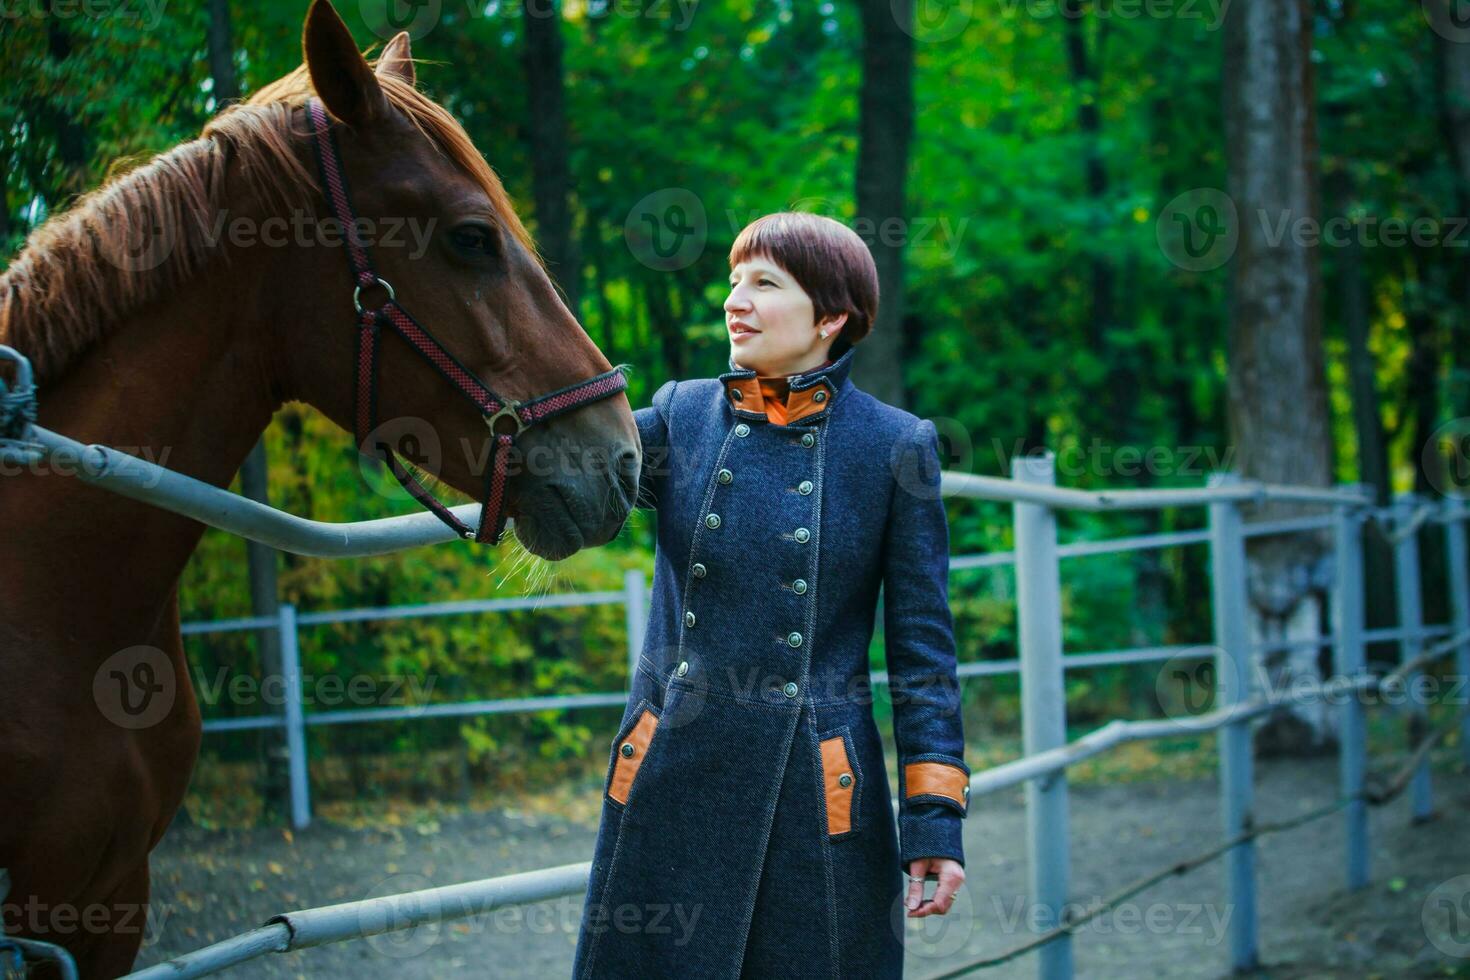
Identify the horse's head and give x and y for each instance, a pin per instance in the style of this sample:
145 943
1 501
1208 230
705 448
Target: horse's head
444 235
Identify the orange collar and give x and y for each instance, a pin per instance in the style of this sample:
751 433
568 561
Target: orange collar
775 399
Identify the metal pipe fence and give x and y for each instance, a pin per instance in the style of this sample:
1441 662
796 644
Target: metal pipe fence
1041 664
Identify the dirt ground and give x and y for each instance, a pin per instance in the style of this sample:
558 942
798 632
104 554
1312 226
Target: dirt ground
1412 920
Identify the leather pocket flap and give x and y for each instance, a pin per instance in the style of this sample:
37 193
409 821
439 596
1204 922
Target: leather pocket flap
839 781
628 753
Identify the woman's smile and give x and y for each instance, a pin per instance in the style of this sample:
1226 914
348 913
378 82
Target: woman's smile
740 331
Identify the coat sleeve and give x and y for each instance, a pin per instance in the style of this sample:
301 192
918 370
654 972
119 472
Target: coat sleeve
653 433
934 781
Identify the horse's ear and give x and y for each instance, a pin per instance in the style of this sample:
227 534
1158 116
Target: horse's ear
397 59
339 72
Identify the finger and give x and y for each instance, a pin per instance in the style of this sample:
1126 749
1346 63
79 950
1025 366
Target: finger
949 884
927 908
916 888
944 895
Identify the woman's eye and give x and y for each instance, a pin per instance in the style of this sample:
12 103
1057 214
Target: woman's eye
767 282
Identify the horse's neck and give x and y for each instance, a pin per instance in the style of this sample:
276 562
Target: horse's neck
185 379
184 384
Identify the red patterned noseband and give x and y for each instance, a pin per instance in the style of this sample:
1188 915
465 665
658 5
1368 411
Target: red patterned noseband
370 323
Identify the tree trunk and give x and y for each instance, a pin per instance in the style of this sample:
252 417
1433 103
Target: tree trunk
4 199
596 254
1083 70
666 326
260 559
1453 87
71 136
546 132
1421 373
1278 416
885 126
222 54
1380 610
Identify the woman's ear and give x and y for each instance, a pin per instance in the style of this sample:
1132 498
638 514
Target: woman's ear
831 324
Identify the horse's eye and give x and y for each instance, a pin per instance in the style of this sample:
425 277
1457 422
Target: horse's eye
474 240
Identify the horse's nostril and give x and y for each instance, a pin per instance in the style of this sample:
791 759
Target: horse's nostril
627 470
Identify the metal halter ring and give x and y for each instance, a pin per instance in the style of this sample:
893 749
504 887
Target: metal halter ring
508 410
377 281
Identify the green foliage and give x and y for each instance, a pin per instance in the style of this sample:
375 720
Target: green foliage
752 106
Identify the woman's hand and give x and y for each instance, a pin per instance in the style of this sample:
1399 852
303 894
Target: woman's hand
951 876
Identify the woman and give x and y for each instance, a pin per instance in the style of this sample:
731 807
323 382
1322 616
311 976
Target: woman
747 828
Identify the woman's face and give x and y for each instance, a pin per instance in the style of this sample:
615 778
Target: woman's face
771 321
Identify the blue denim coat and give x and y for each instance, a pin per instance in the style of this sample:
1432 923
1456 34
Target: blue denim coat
747 824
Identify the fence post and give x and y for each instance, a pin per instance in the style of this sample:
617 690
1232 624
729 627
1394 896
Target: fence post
295 719
1232 686
635 618
1459 583
1043 708
1350 661
1411 644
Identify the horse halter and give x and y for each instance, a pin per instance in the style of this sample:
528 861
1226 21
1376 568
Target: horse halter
492 407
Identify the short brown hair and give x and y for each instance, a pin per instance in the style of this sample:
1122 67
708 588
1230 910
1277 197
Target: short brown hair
827 258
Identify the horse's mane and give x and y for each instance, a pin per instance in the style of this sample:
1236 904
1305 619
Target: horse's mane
68 287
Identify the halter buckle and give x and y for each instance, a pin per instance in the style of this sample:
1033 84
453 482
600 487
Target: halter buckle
377 281
509 410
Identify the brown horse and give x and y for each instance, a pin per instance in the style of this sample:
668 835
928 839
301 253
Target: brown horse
182 342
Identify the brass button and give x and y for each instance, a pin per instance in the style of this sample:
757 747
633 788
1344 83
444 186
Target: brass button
790 689
793 639
803 535
628 750
712 521
699 570
725 476
819 397
799 586
683 668
844 780
808 440
742 430
689 619
805 487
